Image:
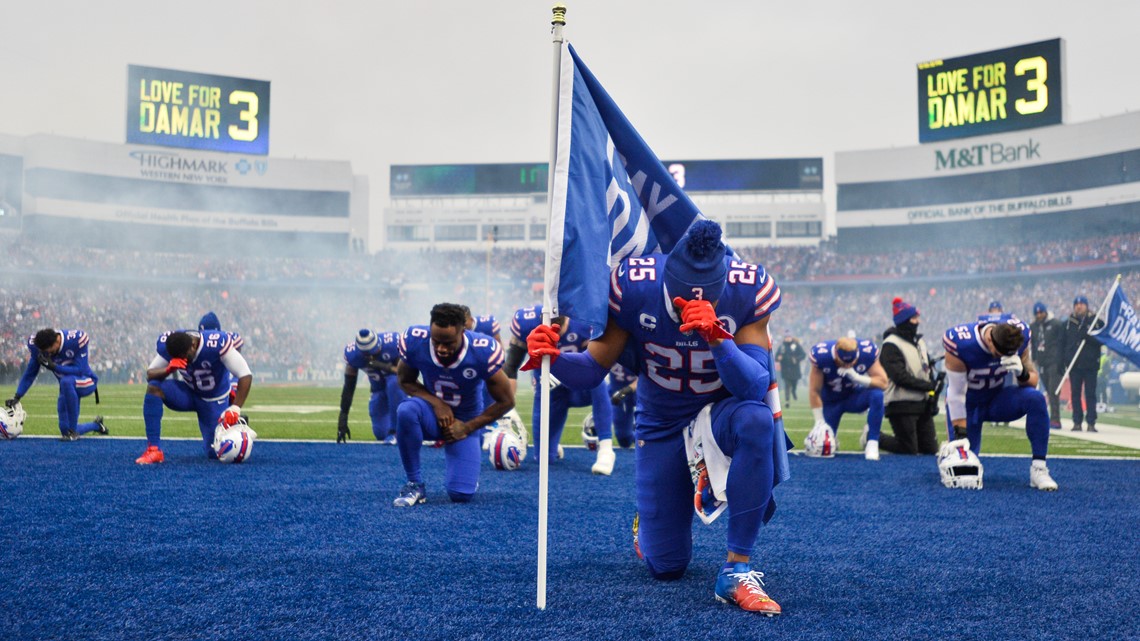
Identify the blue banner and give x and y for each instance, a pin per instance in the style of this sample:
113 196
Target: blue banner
1121 331
612 197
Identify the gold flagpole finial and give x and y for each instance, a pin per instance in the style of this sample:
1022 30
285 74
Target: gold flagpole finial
559 18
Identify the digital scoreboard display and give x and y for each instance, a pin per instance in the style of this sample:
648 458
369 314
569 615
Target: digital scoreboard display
992 92
468 180
197 111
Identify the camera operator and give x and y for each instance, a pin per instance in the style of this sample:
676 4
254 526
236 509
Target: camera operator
911 399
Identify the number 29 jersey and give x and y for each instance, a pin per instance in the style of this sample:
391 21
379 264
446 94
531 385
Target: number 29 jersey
985 376
678 373
459 384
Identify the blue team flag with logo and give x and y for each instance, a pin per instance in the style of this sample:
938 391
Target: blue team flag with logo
612 198
1121 329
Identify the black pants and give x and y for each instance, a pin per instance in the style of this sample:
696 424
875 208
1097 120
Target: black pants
914 434
1085 378
790 385
1050 378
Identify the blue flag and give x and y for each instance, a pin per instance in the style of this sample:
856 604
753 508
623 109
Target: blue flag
612 198
1121 330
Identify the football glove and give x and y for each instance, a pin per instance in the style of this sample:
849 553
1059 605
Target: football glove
1012 364
620 395
176 363
543 341
342 431
231 415
45 361
12 402
699 316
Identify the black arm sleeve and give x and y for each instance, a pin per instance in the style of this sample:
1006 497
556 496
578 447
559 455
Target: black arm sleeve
347 392
514 360
894 364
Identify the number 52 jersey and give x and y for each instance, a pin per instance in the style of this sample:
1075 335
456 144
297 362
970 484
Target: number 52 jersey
679 374
985 375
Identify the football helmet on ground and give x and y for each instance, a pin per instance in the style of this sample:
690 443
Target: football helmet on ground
589 434
506 452
234 444
12 421
958 466
821 441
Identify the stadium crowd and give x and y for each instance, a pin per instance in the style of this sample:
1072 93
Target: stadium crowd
296 313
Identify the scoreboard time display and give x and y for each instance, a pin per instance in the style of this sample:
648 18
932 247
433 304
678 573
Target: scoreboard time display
197 111
986 93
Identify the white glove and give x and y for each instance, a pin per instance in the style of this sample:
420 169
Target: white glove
1012 364
862 380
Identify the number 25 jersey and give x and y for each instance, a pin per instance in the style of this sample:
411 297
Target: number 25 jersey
679 376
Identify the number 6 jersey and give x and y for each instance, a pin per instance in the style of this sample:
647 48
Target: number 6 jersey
679 374
460 383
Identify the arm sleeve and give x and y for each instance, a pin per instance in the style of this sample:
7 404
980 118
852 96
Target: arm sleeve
235 362
743 369
29 377
578 370
515 356
956 395
894 364
80 368
347 392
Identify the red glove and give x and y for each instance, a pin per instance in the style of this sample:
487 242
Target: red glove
231 415
176 363
543 341
700 316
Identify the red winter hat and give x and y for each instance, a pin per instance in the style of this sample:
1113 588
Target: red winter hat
902 310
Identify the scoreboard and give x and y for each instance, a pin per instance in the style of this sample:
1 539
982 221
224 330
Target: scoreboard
468 180
197 111
986 93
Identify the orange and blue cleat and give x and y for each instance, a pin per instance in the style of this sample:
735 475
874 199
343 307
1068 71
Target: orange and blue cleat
150 456
741 585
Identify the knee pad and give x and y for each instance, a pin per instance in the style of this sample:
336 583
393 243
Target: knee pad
753 415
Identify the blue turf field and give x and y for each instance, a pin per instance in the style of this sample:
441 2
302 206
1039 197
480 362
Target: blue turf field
301 543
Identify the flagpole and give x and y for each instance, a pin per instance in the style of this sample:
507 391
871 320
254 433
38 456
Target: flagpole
558 21
1099 311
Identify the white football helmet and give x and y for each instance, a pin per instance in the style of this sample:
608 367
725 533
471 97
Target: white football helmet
12 421
506 452
589 434
234 444
821 441
514 424
958 466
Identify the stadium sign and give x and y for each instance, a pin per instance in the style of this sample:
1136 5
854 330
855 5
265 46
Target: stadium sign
983 155
197 111
986 93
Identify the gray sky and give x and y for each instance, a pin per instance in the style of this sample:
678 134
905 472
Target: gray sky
427 81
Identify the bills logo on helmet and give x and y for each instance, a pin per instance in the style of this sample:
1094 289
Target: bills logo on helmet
589 433
234 444
821 442
12 421
505 451
958 466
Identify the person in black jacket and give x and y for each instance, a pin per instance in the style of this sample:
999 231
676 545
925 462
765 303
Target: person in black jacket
790 354
910 400
1046 340
1084 370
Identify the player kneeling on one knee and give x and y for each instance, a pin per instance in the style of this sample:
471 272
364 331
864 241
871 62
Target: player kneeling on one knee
991 377
193 371
696 321
448 405
846 377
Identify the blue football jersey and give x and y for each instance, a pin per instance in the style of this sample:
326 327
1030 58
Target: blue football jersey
459 384
678 374
621 377
574 339
72 353
389 343
984 372
206 374
822 355
486 325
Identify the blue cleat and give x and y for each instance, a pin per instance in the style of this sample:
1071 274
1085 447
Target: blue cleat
412 494
741 585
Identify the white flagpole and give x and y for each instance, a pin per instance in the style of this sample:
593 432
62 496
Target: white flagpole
1103 306
557 23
